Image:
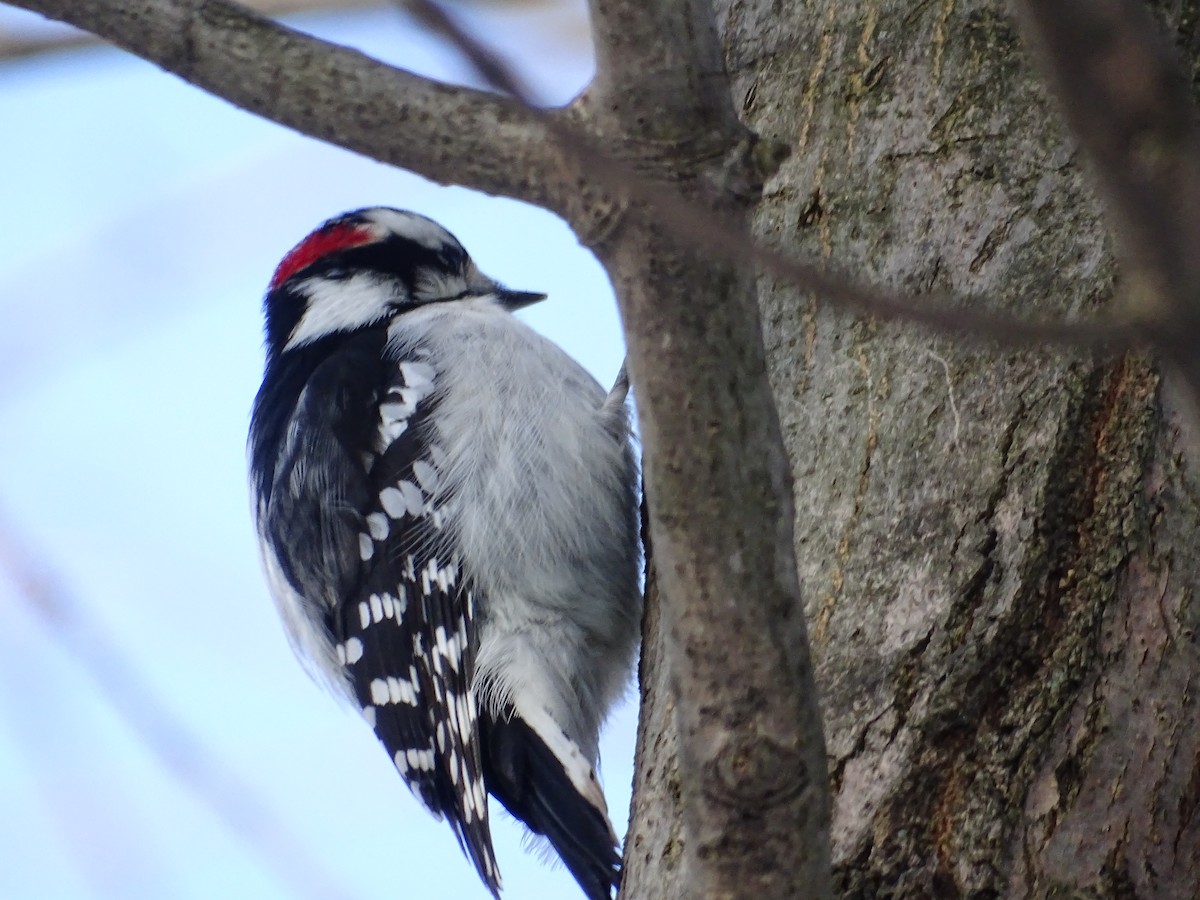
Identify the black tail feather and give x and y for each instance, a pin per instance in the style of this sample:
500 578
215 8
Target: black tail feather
523 774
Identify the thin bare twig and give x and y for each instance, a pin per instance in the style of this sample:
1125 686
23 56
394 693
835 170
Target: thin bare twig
180 751
487 63
689 221
1129 104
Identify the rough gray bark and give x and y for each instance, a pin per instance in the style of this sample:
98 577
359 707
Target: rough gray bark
996 546
751 761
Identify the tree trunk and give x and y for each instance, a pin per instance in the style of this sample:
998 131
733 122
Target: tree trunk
996 546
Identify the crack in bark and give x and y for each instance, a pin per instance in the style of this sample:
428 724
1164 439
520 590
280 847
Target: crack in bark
825 611
998 706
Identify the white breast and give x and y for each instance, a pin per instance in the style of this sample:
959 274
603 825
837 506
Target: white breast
538 482
524 439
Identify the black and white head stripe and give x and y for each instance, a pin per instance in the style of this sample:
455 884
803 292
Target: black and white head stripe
362 267
426 242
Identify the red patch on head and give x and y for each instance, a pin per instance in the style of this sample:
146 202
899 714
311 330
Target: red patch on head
320 243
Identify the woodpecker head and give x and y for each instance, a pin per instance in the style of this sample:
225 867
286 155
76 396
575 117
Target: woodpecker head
363 267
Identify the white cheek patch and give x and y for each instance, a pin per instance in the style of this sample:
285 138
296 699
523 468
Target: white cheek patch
342 305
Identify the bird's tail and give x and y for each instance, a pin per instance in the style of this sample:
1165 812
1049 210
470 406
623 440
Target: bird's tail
543 778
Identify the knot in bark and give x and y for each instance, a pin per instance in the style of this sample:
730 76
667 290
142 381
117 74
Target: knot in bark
753 770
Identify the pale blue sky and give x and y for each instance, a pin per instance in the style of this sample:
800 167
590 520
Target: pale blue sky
142 220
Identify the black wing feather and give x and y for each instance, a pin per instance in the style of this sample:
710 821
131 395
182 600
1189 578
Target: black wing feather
423 653
344 465
311 411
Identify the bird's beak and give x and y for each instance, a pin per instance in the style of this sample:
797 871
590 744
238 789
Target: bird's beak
514 300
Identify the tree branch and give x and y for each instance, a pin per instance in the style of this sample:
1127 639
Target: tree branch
961 317
1129 105
660 54
447 134
14 47
751 753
